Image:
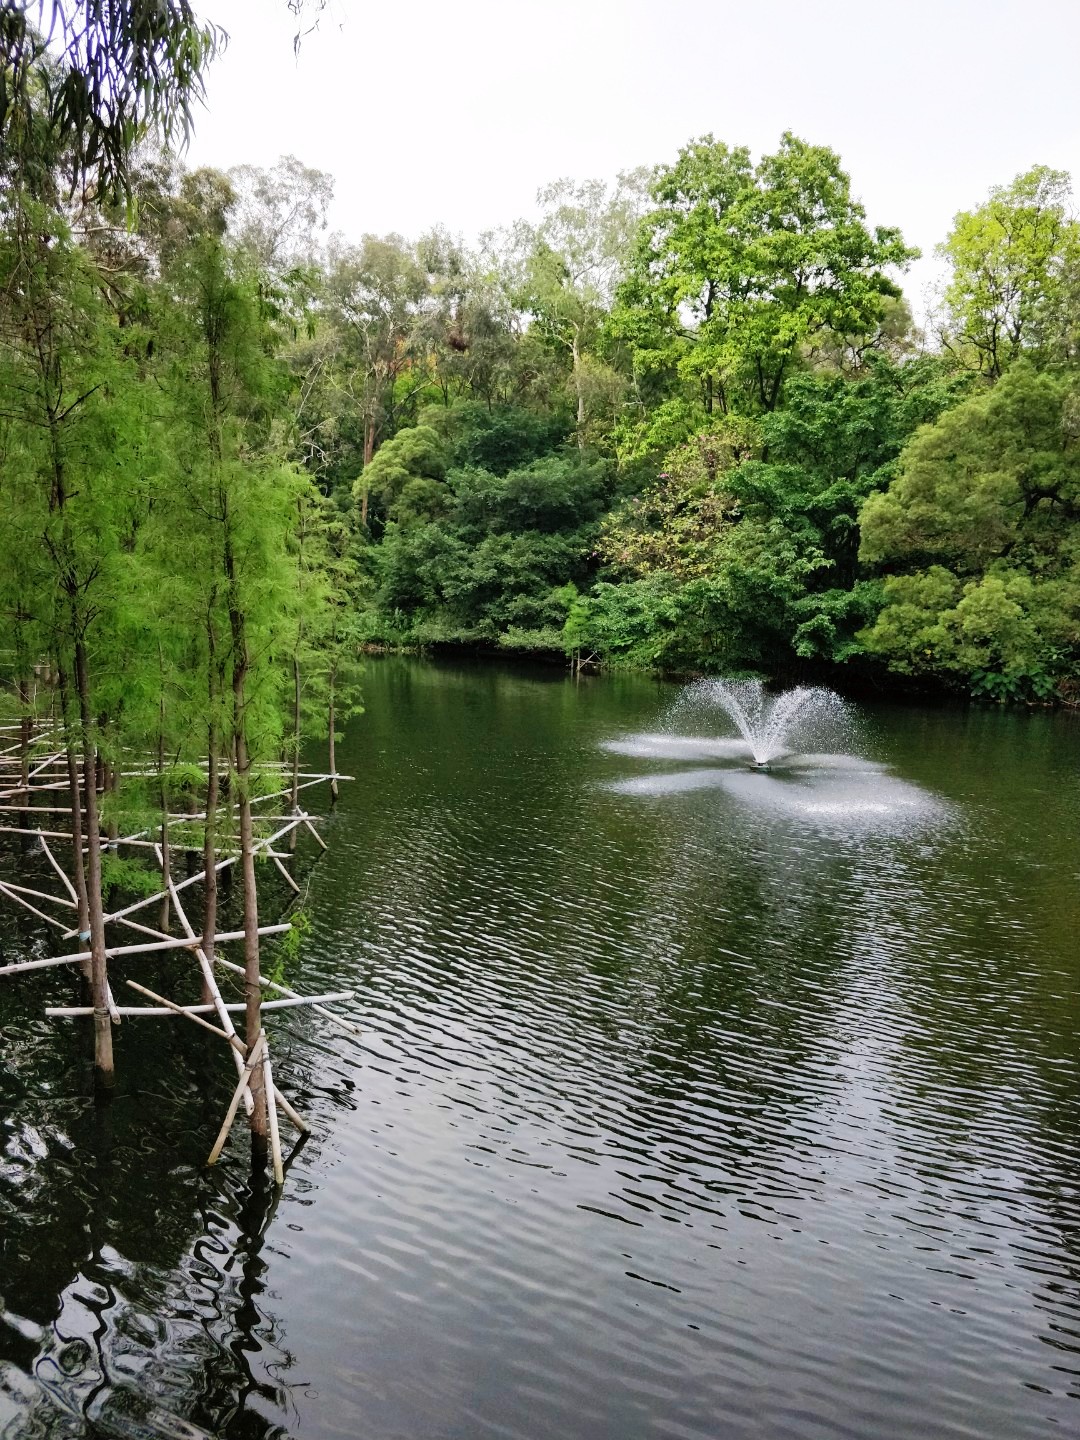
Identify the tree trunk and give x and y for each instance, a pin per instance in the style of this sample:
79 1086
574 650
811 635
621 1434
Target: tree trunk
112 788
579 386
260 1123
369 452
104 1070
78 868
295 795
25 736
333 741
163 800
213 745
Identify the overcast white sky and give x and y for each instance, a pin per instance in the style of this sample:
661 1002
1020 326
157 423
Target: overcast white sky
456 111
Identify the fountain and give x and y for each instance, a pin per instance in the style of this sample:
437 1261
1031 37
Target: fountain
795 757
770 725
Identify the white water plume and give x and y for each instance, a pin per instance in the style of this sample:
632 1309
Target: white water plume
770 725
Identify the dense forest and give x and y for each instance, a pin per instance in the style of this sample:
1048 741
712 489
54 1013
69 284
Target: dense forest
681 422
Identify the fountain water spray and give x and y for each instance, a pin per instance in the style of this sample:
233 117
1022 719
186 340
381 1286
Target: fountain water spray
771 725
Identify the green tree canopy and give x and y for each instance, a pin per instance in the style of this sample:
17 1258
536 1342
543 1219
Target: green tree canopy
1014 263
980 532
739 267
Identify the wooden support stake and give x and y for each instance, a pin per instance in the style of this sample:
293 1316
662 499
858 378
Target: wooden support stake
241 1090
315 832
292 883
69 887
271 1110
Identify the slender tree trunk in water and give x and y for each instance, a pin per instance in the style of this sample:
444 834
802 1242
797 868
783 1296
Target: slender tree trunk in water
78 868
260 1127
25 736
213 745
191 857
333 741
210 887
104 1071
112 789
260 1124
163 800
296 745
369 452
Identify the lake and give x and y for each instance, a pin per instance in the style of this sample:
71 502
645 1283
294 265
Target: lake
691 1101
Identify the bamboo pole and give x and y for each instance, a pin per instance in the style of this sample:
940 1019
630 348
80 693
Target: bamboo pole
188 1014
345 1025
289 879
60 871
316 834
39 894
271 1111
37 810
149 1012
50 919
175 885
111 1005
246 1067
117 952
209 981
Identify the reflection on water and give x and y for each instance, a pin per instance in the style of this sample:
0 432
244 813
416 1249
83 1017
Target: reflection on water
692 1101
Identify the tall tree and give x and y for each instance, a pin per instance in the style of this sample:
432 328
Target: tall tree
374 294
739 267
572 263
1014 262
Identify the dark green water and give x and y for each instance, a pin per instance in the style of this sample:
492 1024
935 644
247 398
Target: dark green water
692 1103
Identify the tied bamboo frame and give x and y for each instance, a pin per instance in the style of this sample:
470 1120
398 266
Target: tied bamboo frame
39 781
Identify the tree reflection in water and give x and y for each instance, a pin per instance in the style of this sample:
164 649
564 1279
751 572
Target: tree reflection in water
135 1281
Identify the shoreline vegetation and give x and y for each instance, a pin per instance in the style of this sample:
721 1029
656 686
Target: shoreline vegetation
682 422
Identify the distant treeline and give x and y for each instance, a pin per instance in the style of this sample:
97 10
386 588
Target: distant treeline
683 422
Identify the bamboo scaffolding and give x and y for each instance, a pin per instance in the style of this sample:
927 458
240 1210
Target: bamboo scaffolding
41 791
211 983
242 1089
345 1025
285 874
190 880
39 894
271 1113
59 870
111 1005
49 919
234 1040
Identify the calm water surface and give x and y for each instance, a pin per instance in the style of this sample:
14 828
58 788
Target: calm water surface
691 1102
